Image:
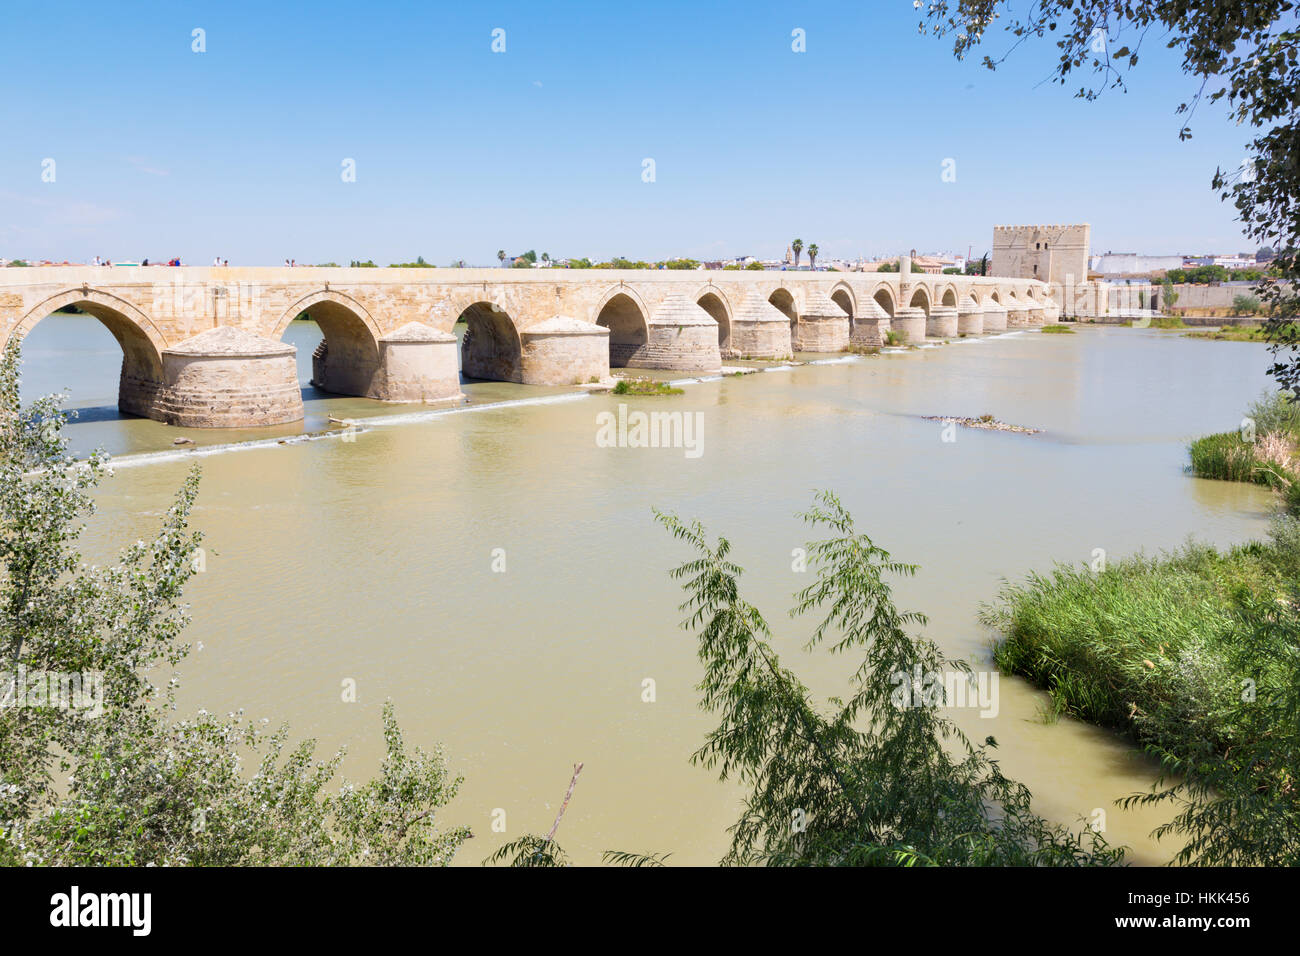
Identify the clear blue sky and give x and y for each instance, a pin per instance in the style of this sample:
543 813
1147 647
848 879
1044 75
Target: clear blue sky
459 151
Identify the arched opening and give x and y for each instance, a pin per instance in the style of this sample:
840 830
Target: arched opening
489 344
95 353
920 300
885 300
712 304
345 359
628 333
784 301
841 298
950 297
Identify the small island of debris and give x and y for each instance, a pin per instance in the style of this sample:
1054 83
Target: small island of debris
984 421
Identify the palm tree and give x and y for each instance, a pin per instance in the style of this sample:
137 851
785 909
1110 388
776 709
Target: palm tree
797 246
812 255
501 256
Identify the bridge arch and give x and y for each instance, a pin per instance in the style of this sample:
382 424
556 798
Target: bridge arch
347 360
884 297
714 301
140 339
949 296
622 311
842 295
490 347
141 375
920 299
783 299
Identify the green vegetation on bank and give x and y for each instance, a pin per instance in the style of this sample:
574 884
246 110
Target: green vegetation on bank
644 386
1233 333
1058 330
1264 451
1196 654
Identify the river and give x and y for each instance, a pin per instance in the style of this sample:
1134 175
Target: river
374 560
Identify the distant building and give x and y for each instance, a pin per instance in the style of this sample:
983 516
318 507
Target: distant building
1055 254
1132 263
1228 262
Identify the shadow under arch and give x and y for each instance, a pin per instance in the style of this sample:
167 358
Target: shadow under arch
629 330
490 347
884 298
842 296
346 362
712 301
920 300
783 300
141 374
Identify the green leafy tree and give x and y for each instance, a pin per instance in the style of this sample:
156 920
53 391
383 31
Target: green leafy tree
135 786
1241 52
501 256
1167 294
797 246
812 255
872 779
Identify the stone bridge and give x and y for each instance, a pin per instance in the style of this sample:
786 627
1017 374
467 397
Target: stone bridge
202 346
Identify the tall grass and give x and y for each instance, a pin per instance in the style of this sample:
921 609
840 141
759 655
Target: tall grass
1228 457
1265 457
1142 646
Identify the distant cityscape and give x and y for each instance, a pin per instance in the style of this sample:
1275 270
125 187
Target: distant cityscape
1103 265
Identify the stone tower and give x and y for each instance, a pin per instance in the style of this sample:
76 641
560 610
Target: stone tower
1053 254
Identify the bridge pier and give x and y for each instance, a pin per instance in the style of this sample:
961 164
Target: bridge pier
417 363
1017 315
228 377
909 322
869 325
995 316
759 330
681 337
564 351
822 326
970 317
941 323
137 388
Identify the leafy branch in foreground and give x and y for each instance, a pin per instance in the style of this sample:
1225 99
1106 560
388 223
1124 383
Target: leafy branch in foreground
137 787
870 780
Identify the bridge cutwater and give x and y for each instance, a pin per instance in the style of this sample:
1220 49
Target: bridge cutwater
201 347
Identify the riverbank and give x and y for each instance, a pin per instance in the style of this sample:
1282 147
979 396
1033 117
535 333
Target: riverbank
1194 654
